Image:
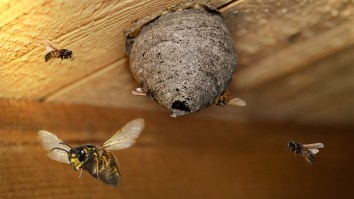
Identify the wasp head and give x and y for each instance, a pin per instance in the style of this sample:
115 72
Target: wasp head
77 156
66 54
294 146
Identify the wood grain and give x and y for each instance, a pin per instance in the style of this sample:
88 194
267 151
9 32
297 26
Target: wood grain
173 158
262 30
297 57
111 84
302 97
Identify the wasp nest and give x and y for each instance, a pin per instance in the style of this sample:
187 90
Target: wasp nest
183 57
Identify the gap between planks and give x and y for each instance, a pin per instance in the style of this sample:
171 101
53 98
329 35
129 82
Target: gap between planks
231 4
79 82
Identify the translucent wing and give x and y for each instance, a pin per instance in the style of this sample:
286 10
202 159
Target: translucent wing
314 151
139 91
58 155
49 141
125 137
237 102
49 49
50 46
313 146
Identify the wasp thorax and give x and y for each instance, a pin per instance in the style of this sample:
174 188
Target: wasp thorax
185 57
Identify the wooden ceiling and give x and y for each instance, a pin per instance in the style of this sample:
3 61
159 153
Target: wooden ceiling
296 57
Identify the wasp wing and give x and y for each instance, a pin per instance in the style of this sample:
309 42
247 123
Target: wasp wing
237 102
49 141
50 46
125 137
139 91
49 49
313 146
58 155
314 151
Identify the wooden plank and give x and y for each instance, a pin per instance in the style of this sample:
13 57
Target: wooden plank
308 92
191 158
296 57
109 87
92 30
329 114
262 29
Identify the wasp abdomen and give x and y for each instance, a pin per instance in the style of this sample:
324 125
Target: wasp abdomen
50 55
108 168
102 165
309 156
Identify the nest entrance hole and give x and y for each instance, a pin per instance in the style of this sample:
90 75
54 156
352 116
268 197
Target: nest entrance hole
180 105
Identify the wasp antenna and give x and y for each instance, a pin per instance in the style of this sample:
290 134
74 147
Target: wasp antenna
57 148
65 144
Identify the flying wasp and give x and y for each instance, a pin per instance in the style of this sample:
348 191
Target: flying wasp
308 151
55 52
96 160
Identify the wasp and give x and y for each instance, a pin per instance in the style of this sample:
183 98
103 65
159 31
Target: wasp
308 151
55 52
96 160
225 98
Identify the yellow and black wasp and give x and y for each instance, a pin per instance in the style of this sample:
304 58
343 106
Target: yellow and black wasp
96 160
55 52
308 151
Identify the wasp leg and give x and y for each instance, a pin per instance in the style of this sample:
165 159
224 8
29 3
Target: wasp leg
121 178
97 165
105 161
80 173
51 62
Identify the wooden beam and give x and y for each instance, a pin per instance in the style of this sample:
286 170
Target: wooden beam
174 158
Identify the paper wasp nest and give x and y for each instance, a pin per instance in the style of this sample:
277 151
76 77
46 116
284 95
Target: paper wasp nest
183 57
